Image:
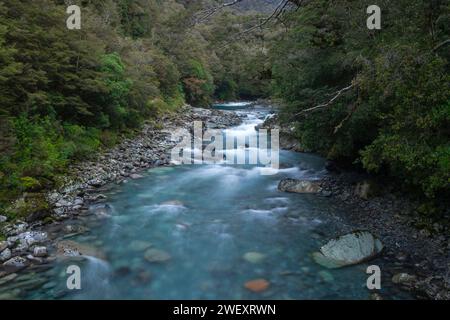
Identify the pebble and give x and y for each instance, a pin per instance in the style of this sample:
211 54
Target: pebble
138 245
3 245
257 285
40 251
155 255
254 257
16 262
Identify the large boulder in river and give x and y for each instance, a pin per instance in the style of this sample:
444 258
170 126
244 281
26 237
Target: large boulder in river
348 250
299 186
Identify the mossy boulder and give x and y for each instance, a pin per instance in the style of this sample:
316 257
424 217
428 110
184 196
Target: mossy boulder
30 184
30 206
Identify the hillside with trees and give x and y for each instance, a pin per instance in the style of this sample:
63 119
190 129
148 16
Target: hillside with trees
66 93
378 100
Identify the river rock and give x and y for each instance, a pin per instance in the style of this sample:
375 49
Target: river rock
40 252
3 245
254 257
376 296
63 203
365 189
5 255
69 248
3 219
98 197
78 202
103 211
348 250
299 186
326 276
404 279
258 285
33 237
155 255
138 245
15 263
7 278
135 176
96 183
16 229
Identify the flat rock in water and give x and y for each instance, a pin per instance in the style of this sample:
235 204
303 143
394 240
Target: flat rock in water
299 186
258 285
155 255
139 245
254 257
348 250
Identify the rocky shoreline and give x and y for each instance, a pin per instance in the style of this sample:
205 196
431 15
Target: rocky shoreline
30 243
417 259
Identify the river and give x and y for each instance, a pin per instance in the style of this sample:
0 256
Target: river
203 231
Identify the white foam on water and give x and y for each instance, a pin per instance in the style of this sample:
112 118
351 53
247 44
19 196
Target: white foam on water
164 209
277 200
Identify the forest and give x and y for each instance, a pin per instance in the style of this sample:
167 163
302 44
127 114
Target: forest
376 101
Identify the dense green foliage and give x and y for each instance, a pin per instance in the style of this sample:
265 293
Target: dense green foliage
66 93
395 121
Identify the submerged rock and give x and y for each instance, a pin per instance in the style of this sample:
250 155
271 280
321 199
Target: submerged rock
175 203
155 255
348 250
258 285
254 257
326 276
103 211
299 186
139 245
5 255
7 278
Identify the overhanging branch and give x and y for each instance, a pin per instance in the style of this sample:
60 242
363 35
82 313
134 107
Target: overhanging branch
440 45
324 105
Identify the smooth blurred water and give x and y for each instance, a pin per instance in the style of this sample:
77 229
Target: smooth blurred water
206 217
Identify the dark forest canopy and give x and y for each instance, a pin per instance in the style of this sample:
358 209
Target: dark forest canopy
66 93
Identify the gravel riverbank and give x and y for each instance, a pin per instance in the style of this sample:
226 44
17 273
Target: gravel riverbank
416 258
